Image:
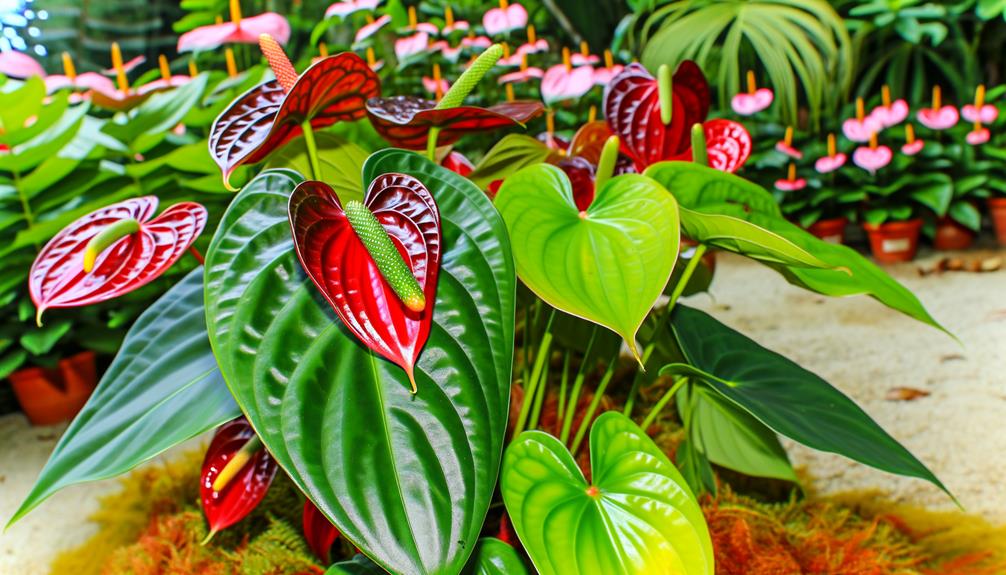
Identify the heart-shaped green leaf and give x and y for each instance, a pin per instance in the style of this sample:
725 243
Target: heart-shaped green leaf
784 396
407 479
638 515
698 187
510 154
163 388
608 264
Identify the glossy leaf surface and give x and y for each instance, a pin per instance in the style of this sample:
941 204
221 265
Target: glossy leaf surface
261 120
845 273
340 266
245 490
340 161
58 279
405 121
494 557
406 478
319 532
513 152
632 110
784 396
162 388
607 264
637 515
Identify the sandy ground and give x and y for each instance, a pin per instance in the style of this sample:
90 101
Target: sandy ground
865 349
855 343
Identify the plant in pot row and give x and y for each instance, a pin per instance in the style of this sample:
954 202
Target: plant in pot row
885 174
360 310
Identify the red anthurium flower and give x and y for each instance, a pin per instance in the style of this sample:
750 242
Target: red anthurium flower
873 157
319 532
581 175
111 252
728 145
344 8
458 163
833 161
565 82
16 64
271 114
340 265
791 183
632 109
504 19
238 31
371 28
405 121
237 473
938 117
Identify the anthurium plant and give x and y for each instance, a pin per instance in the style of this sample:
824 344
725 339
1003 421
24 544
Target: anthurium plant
387 331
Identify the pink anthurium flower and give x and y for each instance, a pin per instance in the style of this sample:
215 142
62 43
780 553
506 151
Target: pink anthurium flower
370 28
978 136
436 85
471 41
938 117
416 26
873 157
584 57
980 111
754 100
373 62
603 76
860 128
239 30
786 145
504 19
408 46
129 66
525 74
833 161
19 65
889 113
120 96
346 7
912 145
167 79
791 183
451 25
564 82
70 79
534 44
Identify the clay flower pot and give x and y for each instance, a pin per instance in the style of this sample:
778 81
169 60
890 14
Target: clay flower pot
53 395
951 235
830 230
997 209
893 242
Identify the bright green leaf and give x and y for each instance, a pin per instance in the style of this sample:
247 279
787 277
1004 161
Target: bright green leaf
610 263
638 516
512 153
340 161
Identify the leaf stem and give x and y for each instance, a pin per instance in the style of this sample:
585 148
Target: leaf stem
531 386
574 396
659 406
679 288
563 385
431 144
312 149
596 401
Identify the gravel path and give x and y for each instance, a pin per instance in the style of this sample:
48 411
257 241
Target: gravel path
855 343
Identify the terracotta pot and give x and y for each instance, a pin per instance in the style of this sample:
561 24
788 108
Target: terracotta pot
893 242
53 395
997 209
830 230
951 235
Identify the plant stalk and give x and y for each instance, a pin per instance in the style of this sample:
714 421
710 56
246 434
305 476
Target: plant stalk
659 406
531 386
312 150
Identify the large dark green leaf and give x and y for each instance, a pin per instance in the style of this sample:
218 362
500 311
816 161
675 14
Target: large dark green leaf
731 437
784 396
407 478
163 388
637 516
